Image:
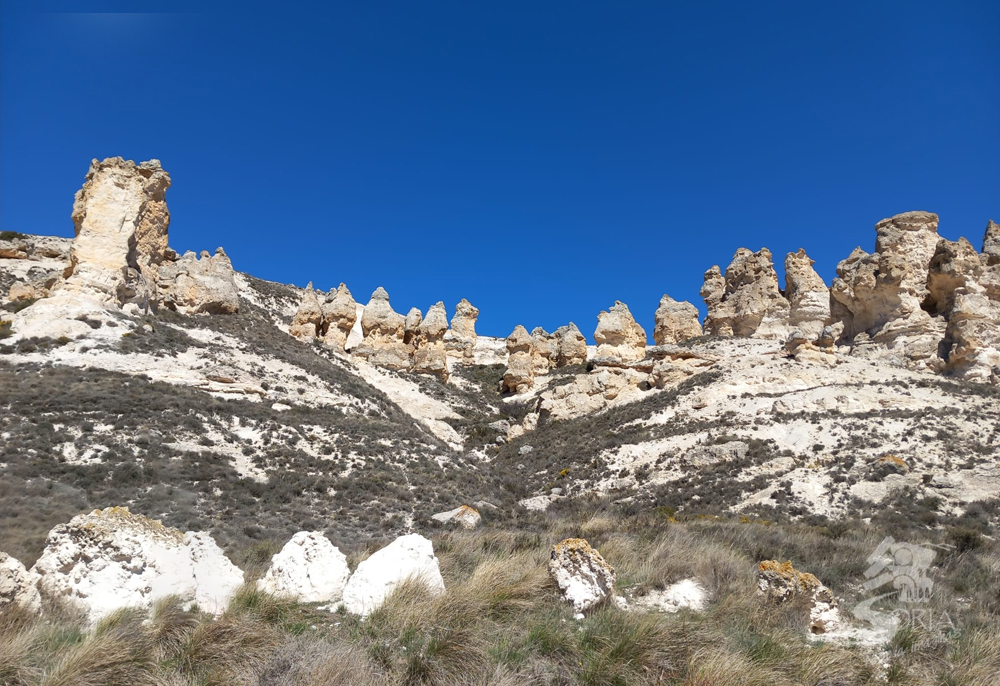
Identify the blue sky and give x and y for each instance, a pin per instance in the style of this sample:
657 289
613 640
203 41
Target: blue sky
540 159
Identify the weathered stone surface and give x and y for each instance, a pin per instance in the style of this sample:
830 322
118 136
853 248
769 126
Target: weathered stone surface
519 375
991 244
583 575
383 329
18 585
972 340
307 322
955 265
109 559
464 516
460 340
878 297
591 392
408 558
779 582
571 346
675 321
747 301
544 351
429 355
686 594
120 217
309 569
206 285
803 348
340 313
912 237
808 296
618 335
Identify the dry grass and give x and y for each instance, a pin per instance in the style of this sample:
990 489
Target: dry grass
501 622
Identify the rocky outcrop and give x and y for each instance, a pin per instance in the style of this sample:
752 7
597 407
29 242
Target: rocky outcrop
408 558
460 340
571 346
309 569
193 286
747 300
779 582
808 296
18 585
307 322
329 318
120 218
879 297
675 321
383 329
520 374
463 516
544 351
991 245
618 336
429 354
109 559
340 312
583 576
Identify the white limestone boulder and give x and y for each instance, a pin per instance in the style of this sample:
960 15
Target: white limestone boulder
463 515
409 557
18 585
309 568
584 577
110 559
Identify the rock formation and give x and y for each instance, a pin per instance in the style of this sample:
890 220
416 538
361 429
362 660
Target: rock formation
544 351
110 559
191 285
878 297
309 569
429 355
464 516
18 585
408 558
520 374
808 296
307 322
120 218
460 341
991 244
747 300
571 346
583 576
340 312
779 582
675 321
618 336
383 329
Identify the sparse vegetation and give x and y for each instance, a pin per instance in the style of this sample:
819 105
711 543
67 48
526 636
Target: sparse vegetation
502 621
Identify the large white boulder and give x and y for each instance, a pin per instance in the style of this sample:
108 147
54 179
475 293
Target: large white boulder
409 557
110 559
583 575
18 585
309 568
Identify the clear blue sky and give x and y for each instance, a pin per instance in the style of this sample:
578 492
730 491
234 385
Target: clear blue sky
542 159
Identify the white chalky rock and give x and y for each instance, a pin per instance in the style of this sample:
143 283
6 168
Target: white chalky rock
110 559
584 577
309 568
463 515
18 585
408 557
686 594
